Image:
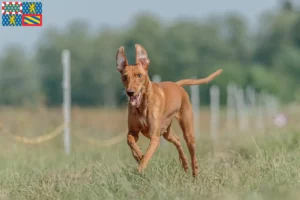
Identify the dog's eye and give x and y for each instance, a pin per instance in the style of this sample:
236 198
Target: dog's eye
124 78
139 75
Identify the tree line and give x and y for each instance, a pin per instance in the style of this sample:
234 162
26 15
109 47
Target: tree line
267 58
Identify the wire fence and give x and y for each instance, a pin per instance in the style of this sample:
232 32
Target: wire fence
246 110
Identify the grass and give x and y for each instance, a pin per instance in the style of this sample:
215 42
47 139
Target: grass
249 166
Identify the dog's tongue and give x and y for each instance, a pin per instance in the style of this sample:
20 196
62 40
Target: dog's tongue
133 99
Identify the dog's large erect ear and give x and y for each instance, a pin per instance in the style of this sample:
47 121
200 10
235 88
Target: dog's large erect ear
141 56
121 59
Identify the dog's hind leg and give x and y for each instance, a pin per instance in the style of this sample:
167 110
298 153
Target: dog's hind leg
186 122
171 137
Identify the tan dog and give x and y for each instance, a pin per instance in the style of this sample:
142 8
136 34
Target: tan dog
152 106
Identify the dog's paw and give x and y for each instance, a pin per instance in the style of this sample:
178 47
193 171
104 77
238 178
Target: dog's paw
141 168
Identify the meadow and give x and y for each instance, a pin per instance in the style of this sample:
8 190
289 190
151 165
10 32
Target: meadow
252 165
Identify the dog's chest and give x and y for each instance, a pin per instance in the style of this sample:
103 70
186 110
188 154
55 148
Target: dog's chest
143 122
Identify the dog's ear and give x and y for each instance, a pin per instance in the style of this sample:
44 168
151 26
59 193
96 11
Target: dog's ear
141 56
121 59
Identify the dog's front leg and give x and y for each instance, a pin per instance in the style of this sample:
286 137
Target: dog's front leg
132 139
154 142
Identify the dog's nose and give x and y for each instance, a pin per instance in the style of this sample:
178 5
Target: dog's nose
130 92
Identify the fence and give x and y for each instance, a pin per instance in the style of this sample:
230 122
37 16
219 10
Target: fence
245 108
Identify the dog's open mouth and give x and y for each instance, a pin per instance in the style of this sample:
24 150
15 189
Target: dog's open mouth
135 100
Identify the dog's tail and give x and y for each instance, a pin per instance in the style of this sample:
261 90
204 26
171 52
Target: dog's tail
199 81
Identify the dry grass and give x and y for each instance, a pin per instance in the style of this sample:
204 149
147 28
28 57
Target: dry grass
242 166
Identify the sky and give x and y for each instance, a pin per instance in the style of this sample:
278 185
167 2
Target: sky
119 13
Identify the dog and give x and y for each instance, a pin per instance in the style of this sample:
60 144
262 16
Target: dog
152 107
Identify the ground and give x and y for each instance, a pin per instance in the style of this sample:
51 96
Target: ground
238 166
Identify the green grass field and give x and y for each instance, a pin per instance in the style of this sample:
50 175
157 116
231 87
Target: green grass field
240 166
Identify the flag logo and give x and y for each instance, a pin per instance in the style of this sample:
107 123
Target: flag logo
32 20
22 14
32 8
11 8
11 20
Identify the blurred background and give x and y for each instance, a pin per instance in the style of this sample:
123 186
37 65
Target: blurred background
255 42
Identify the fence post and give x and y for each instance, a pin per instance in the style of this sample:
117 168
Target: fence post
241 110
251 102
66 99
214 111
195 100
230 112
260 121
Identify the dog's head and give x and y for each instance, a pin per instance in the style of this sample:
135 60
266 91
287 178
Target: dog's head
134 77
